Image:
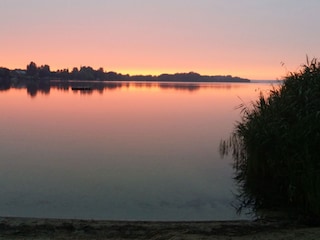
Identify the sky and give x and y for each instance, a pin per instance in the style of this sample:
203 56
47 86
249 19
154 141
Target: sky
255 39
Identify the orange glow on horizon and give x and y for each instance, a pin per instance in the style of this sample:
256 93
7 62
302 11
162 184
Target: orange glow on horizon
136 38
254 72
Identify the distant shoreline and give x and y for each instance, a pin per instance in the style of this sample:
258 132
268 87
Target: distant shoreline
43 72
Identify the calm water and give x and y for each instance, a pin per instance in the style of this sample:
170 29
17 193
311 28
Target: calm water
125 152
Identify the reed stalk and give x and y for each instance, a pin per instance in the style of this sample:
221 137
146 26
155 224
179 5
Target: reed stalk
276 147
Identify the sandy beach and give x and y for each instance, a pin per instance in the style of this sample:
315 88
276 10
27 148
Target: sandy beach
32 228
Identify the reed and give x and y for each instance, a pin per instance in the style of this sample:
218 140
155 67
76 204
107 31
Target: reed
276 147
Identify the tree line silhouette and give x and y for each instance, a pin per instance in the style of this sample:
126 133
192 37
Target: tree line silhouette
43 72
40 79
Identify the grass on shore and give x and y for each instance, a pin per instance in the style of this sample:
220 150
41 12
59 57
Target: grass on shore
276 146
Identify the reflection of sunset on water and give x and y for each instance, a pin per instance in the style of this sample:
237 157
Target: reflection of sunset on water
120 153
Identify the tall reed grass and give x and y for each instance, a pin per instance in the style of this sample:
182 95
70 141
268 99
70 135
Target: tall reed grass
276 147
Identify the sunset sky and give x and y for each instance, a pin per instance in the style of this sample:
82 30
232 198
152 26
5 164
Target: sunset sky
256 39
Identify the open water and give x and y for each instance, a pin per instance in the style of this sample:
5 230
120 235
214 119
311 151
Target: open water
126 151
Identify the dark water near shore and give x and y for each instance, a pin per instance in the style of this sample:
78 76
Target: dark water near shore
132 152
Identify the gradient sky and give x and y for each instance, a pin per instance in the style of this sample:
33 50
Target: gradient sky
246 38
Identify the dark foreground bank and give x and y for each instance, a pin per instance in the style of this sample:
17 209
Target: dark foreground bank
30 228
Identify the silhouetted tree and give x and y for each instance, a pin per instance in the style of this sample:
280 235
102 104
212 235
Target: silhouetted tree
44 71
32 69
5 82
100 74
74 73
86 73
63 74
4 73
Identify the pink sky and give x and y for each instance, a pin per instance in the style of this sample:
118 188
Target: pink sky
245 38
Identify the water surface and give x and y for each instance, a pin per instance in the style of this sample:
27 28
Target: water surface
128 151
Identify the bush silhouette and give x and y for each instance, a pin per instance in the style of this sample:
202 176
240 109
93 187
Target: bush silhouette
276 147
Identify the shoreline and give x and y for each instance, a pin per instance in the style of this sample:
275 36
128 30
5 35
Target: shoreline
44 228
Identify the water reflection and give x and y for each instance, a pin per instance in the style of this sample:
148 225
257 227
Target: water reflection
5 84
139 151
43 87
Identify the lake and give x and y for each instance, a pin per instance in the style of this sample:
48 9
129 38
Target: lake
126 151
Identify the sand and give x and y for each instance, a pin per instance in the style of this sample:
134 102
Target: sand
32 228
